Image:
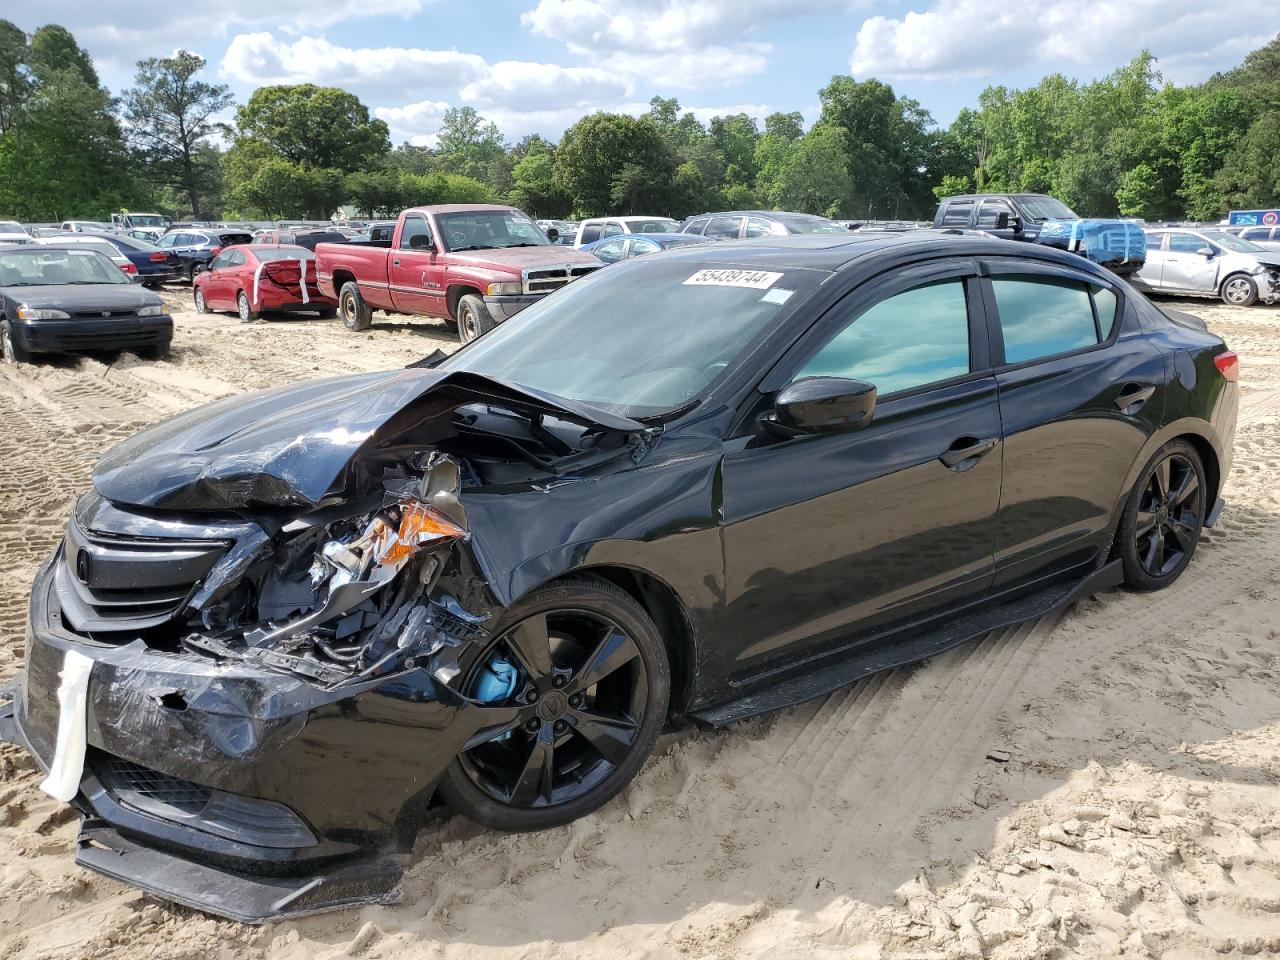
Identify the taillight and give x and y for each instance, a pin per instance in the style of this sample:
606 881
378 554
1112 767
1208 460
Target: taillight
1228 365
159 257
128 268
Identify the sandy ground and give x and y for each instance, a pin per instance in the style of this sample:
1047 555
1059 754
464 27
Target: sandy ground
1101 783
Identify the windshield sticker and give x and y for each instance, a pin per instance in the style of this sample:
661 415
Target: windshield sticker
751 279
777 295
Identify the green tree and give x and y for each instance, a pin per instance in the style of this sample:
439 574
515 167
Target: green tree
536 191
736 136
171 115
375 193
469 144
785 126
322 127
814 178
950 186
593 153
1250 175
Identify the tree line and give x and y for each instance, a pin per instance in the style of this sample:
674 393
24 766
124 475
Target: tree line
1128 144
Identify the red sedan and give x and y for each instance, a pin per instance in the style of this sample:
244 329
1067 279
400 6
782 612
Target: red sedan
254 278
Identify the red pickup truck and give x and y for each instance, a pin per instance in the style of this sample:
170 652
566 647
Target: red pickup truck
472 264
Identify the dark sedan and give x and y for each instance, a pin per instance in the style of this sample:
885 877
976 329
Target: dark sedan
153 264
701 485
196 247
71 300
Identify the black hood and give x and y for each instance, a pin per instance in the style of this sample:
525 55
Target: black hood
291 446
83 298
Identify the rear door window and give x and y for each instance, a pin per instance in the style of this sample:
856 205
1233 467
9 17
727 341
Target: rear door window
956 213
1048 316
989 213
697 226
724 228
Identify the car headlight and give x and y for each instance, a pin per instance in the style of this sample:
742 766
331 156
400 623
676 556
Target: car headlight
153 310
41 313
505 289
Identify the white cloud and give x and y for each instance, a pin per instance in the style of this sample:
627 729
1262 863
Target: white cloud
259 58
419 123
685 43
520 85
969 38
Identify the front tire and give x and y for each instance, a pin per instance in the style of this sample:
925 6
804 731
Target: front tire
1239 291
201 305
474 319
589 697
12 353
1163 518
356 314
246 311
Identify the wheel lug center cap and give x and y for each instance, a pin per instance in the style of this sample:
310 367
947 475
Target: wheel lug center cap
552 706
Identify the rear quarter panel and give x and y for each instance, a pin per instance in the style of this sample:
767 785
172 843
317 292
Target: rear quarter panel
367 265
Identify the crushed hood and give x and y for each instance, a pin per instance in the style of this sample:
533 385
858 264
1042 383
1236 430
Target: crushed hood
291 446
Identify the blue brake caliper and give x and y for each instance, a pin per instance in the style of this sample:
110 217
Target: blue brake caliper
496 682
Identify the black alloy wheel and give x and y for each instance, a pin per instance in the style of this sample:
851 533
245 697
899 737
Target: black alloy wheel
1164 517
588 702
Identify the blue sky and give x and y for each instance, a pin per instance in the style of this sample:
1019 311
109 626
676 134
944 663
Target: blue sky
537 65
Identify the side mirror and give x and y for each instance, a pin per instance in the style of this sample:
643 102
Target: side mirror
1002 221
421 241
825 404
201 268
553 234
1206 252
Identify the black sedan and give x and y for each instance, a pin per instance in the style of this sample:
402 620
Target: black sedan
70 300
696 486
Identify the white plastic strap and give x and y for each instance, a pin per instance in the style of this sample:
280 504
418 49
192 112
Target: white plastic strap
302 263
63 780
257 277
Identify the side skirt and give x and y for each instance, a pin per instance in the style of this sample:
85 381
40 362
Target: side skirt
829 677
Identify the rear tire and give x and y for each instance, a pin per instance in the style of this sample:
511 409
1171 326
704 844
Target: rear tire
608 664
247 313
356 314
1239 291
12 353
1163 517
474 319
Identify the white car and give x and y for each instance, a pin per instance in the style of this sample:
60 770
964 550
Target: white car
1207 262
598 228
86 226
11 231
1266 237
104 247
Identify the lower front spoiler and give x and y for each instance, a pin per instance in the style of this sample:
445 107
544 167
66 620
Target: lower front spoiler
236 896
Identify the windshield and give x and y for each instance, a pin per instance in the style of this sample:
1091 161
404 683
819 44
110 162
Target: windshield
57 267
642 338
1046 208
146 220
11 226
490 230
267 254
1229 242
814 226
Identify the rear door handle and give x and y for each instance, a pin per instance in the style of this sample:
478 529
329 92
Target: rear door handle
965 452
1132 397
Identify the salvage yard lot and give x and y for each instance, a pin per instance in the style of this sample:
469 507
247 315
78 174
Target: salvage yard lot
1097 782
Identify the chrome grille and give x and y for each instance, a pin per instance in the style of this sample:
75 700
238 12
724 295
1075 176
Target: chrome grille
545 279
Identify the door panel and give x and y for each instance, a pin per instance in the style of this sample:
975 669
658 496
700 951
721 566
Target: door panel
829 536
1185 270
412 274
1073 426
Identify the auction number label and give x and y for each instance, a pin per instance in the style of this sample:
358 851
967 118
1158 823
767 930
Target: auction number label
751 279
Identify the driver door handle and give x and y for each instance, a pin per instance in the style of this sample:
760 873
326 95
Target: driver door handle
395 262
1133 396
965 452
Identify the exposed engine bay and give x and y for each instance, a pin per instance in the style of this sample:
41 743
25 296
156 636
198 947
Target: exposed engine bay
345 585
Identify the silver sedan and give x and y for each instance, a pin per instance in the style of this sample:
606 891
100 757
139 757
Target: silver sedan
1192 262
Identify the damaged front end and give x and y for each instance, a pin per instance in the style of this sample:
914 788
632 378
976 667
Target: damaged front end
269 684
